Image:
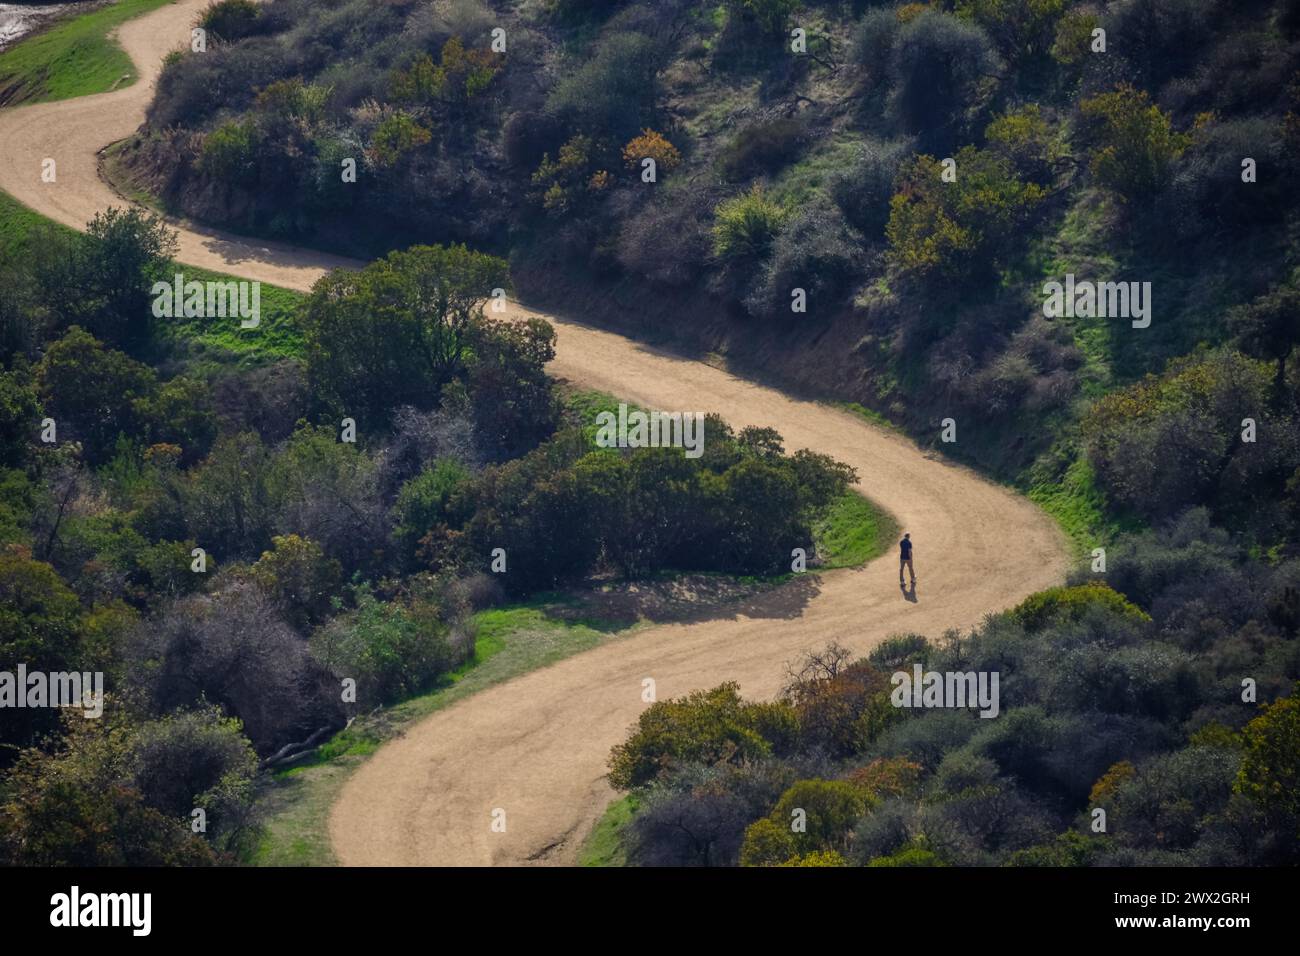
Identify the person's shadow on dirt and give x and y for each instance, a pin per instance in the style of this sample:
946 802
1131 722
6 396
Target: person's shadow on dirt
908 595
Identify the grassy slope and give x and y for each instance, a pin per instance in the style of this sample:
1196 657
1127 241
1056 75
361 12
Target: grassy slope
74 57
604 845
204 340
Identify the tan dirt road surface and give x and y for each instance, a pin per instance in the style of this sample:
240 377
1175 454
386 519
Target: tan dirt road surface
536 746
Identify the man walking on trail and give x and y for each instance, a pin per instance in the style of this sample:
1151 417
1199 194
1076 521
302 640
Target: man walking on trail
905 559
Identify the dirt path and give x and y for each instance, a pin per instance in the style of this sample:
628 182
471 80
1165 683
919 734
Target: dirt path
536 746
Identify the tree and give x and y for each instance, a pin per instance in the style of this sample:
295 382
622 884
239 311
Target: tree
397 331
1132 144
91 391
328 491
231 649
962 229
422 504
298 576
177 413
40 619
507 388
1269 329
19 416
226 502
1270 765
102 279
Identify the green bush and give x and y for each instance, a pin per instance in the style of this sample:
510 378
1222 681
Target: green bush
960 230
1060 604
745 226
231 20
392 652
710 726
1132 145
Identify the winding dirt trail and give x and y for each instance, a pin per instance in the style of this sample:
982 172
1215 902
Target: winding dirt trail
536 746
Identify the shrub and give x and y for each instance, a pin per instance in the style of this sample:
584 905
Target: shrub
1270 765
864 189
39 626
229 154
1205 192
230 20
829 810
1132 145
762 147
1063 604
614 91
711 727
961 229
458 78
298 576
231 649
390 651
1023 137
770 16
395 137
1073 41
652 145
746 225
768 842
1161 445
1022 29
817 252
939 68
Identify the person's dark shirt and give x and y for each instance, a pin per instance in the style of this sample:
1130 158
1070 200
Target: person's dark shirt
906 547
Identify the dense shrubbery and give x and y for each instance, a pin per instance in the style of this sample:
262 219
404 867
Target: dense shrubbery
527 150
569 510
1103 706
246 585
1182 438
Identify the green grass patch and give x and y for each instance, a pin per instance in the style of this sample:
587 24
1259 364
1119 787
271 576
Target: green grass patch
18 225
74 57
604 845
1079 506
867 414
852 532
278 335
215 341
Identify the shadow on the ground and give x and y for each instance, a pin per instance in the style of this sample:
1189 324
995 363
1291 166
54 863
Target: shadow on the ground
689 598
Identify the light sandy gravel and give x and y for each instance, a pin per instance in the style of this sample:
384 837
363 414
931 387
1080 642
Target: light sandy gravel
536 746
